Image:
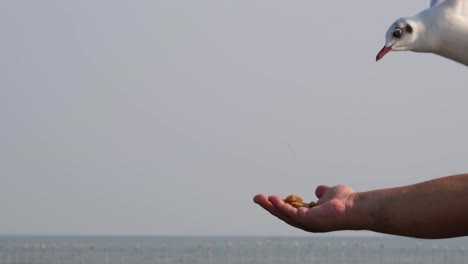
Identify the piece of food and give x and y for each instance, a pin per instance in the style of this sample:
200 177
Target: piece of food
296 201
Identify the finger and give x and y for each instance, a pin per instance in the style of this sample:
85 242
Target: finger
321 190
260 198
264 202
288 213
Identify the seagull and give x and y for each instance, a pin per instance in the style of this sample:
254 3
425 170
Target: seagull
441 29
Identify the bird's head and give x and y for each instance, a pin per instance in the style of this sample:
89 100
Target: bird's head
400 36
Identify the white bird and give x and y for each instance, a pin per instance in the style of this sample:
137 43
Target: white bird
441 29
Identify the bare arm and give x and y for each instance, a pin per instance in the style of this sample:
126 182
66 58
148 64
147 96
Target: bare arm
433 209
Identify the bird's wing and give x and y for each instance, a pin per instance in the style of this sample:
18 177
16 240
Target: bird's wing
436 2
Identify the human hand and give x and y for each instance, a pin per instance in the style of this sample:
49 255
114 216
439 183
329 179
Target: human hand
331 213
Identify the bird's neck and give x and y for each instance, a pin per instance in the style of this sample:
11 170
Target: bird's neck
457 55
453 39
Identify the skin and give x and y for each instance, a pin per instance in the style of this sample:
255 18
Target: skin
433 209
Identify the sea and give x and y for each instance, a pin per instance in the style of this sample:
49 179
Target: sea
230 249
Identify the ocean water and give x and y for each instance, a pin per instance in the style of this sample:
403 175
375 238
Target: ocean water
230 250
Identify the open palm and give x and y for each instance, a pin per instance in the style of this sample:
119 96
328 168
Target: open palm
331 212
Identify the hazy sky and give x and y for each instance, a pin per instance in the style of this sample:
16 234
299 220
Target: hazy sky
167 117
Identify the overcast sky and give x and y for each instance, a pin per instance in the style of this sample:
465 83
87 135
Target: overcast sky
167 117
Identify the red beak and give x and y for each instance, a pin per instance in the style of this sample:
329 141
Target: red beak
382 52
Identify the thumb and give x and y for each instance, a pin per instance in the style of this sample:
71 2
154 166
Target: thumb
321 190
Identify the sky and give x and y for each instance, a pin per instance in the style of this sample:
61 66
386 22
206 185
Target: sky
167 117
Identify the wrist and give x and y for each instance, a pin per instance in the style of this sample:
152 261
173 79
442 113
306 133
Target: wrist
360 211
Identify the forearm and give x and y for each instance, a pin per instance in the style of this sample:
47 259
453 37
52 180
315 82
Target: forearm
432 209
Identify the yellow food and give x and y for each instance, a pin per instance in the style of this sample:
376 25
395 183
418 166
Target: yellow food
296 201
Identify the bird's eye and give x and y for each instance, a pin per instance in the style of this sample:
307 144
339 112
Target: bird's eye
408 29
397 33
